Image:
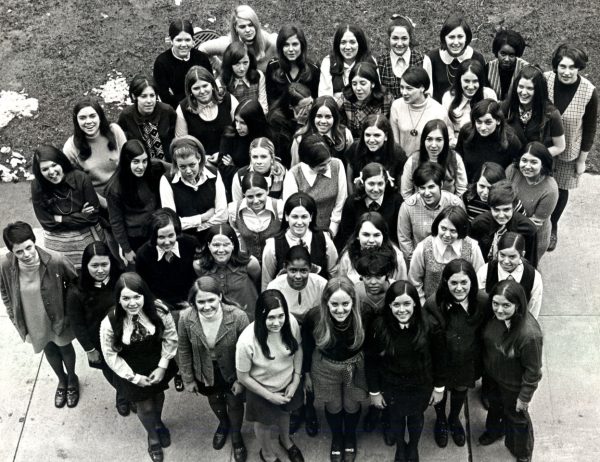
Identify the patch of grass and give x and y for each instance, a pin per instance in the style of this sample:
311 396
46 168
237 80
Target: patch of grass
57 50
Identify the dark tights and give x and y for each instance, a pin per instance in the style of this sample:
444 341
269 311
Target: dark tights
563 198
457 399
150 414
229 409
58 356
414 425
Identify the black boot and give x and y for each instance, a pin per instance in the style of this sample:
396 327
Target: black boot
371 419
440 429
336 425
400 455
311 422
350 424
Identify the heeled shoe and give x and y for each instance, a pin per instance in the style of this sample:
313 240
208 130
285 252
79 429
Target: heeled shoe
440 432
73 393
553 242
294 453
458 432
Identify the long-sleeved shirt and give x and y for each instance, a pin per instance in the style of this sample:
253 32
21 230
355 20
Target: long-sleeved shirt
456 184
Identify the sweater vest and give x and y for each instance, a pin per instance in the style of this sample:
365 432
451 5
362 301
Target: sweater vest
386 71
433 269
318 252
190 202
526 281
494 75
209 132
255 241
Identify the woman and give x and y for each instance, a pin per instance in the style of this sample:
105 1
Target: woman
171 66
139 339
205 112
577 101
537 190
376 144
322 177
268 360
65 204
476 197
488 138
350 46
132 196
455 37
264 163
529 112
435 147
508 47
257 216
291 64
468 89
148 120
513 359
362 96
401 55
374 193
237 273
334 366
459 312
192 189
448 240
409 114
208 332
324 119
299 228
240 76
511 264
87 305
32 286
286 116
404 366
245 27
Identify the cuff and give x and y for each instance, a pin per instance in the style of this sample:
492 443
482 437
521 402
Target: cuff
136 379
164 363
377 393
439 389
89 351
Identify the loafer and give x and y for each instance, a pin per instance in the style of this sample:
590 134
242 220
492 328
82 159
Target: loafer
240 453
389 437
440 432
311 422
155 452
371 419
220 437
553 242
488 438
349 454
178 382
336 453
164 436
458 433
293 452
60 397
123 409
73 394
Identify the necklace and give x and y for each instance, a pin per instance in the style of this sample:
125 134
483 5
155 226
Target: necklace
68 196
414 131
451 70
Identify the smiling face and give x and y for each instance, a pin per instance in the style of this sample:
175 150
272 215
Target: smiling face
447 232
131 301
399 40
340 305
349 47
503 308
374 285
260 160
292 48
486 125
323 120
483 188
52 171
139 164
202 91
256 198
374 138
297 272
469 84
245 30
434 144
410 94
525 92
375 187
241 67
502 213
166 237
509 259
275 320
188 167
221 249
566 71
507 57
89 121
181 45
99 267
430 192
369 236
459 286
299 221
456 41
240 126
25 251
362 87
207 304
403 308
530 166
146 101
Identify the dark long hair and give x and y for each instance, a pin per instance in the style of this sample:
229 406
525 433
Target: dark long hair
127 181
97 249
299 199
353 245
444 298
79 138
304 71
271 299
382 123
338 129
363 54
159 219
493 108
469 65
251 112
366 70
43 153
294 93
446 157
234 53
237 259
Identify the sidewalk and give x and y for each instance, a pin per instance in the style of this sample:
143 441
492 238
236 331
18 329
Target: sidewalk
565 408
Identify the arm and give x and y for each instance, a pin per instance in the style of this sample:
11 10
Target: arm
476 256
535 303
111 356
161 77
181 127
74 309
294 152
394 122
289 186
557 132
236 188
269 264
254 270
531 362
325 82
215 46
220 209
116 213
405 233
407 188
558 145
332 255
168 348
546 204
428 68
416 273
262 92
342 194
185 355
461 176
482 275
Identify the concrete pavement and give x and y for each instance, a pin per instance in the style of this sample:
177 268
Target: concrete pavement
565 408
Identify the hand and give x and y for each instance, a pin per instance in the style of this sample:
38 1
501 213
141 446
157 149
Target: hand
521 406
537 221
436 397
86 209
144 382
308 385
378 401
94 357
130 257
103 203
212 158
157 375
237 388
278 398
227 160
191 387
290 390
579 168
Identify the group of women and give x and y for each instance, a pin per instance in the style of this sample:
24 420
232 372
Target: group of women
270 234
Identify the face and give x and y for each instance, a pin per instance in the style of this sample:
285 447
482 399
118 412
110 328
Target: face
292 48
486 125
469 83
530 166
503 309
566 71
202 91
375 187
52 171
139 165
166 237
525 91
374 285
362 87
275 320
261 160
245 30
323 120
502 213
207 303
456 41
434 143
349 47
221 248
374 138
256 198
25 251
241 67
483 188
447 232
430 192
340 305
459 286
89 121
99 267
507 57
146 101
403 308
299 220
399 40
323 167
240 126
369 236
131 301
297 274
509 259
189 168
410 94
302 110
182 44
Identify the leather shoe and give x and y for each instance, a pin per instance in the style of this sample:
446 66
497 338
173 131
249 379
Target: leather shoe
73 393
388 435
458 433
240 454
371 419
488 438
311 422
60 397
178 382
336 453
123 409
293 452
220 437
164 436
156 452
440 432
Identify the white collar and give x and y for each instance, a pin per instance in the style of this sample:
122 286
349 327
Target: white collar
405 56
310 174
237 81
403 326
182 59
100 284
441 247
517 273
205 174
293 240
369 201
268 206
447 58
174 250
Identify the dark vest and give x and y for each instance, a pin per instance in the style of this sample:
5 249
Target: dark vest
318 252
190 202
526 281
209 132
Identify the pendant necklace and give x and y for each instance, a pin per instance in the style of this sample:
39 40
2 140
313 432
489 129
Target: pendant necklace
414 131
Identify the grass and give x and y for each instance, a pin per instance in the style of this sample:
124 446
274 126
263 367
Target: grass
57 50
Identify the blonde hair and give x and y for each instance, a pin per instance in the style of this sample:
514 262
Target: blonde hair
246 13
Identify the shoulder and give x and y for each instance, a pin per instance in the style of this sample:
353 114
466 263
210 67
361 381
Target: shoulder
117 130
452 199
246 338
164 108
412 200
163 58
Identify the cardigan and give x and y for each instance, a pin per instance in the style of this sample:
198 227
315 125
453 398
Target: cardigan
500 80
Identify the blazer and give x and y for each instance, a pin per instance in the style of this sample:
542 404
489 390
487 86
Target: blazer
193 354
56 273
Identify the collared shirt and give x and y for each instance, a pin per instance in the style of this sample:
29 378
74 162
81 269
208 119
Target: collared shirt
326 80
207 112
181 59
256 222
311 294
400 62
161 253
262 89
369 201
447 58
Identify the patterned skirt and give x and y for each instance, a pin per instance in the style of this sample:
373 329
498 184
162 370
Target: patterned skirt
71 244
564 174
331 377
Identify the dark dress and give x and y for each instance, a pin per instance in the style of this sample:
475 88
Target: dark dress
394 166
282 129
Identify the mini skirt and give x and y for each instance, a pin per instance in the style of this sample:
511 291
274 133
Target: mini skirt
265 412
330 377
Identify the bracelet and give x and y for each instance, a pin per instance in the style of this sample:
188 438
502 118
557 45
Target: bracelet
374 394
